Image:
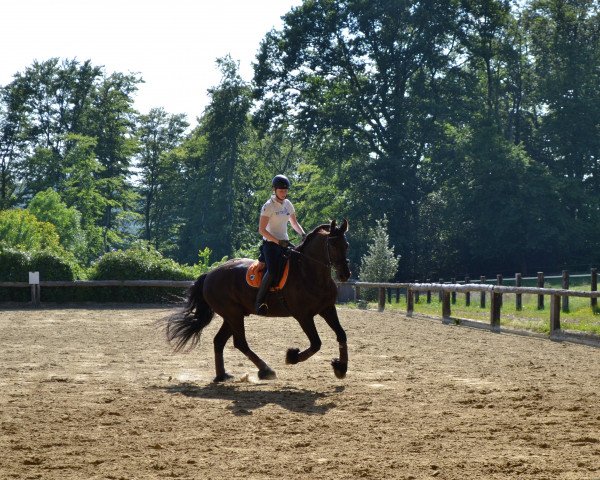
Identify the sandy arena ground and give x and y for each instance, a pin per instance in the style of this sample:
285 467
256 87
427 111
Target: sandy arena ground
95 393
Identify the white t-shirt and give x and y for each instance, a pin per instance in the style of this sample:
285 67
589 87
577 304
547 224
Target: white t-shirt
279 216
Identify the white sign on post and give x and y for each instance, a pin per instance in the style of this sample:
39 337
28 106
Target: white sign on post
34 278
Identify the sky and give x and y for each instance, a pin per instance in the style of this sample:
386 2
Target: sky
172 44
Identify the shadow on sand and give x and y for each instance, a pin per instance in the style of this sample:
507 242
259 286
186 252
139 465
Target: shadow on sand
245 400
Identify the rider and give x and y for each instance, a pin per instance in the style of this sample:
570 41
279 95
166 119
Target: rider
274 217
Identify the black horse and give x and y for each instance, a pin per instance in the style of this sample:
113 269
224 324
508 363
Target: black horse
309 291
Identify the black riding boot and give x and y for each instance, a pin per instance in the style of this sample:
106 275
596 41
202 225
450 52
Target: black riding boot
261 307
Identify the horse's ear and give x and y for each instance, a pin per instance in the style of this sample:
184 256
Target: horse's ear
344 227
332 227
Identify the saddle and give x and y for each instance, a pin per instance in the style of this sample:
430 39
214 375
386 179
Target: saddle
255 273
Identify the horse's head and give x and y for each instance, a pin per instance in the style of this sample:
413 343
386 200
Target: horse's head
337 246
327 245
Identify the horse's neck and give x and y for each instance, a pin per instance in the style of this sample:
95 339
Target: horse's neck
317 249
315 268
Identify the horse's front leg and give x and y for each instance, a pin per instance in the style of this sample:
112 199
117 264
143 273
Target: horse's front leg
294 355
340 365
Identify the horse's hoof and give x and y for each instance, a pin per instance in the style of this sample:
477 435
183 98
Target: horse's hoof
339 368
267 374
223 378
292 356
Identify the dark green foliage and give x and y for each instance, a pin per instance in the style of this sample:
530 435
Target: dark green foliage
138 263
51 266
15 266
473 126
219 171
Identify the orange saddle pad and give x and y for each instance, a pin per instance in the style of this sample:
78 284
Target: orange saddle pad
254 275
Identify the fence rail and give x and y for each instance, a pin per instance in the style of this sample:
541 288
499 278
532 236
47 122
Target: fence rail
496 292
446 291
36 287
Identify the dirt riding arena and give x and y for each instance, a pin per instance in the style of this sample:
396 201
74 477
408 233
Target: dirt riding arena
95 393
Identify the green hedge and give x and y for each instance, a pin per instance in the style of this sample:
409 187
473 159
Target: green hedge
141 263
138 263
15 266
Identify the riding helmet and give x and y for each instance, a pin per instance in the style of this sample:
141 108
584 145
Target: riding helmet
281 181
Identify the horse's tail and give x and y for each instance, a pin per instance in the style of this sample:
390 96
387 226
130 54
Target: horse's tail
188 325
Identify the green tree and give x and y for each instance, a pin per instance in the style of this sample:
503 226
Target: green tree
47 206
12 145
565 46
20 229
485 35
217 171
379 264
83 190
112 124
499 212
159 174
50 98
359 80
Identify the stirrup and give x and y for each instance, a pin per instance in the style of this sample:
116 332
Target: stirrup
262 309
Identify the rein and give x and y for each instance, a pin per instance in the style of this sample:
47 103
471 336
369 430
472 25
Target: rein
329 263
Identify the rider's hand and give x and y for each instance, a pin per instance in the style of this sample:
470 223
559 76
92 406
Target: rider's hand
284 243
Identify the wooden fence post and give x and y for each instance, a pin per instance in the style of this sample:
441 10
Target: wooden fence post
482 293
356 293
410 302
540 284
381 307
397 295
594 300
34 282
389 295
453 294
441 294
565 286
518 296
446 312
499 280
496 303
35 295
467 294
417 294
554 313
428 292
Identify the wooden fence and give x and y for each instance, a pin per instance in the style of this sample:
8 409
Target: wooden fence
447 294
36 287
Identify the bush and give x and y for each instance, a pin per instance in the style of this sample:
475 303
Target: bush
51 266
15 266
138 263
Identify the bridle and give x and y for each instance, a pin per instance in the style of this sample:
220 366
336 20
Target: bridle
330 263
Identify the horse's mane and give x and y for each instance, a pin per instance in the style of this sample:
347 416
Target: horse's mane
316 231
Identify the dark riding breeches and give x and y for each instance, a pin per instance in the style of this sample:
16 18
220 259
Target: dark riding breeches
274 256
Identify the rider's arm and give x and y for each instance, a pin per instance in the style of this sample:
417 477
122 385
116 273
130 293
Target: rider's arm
262 229
296 226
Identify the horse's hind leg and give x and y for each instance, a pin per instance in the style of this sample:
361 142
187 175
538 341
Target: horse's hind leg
219 341
294 355
239 341
340 365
